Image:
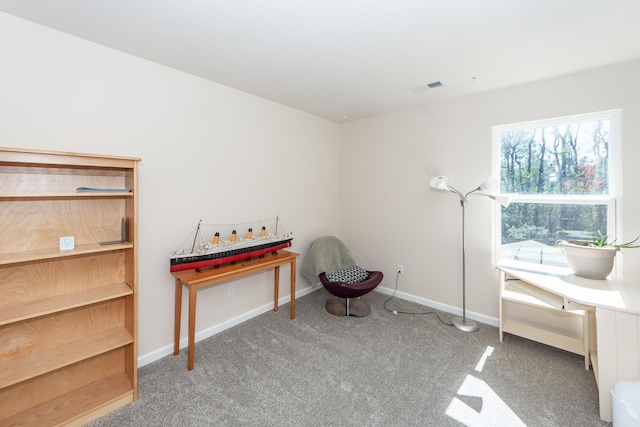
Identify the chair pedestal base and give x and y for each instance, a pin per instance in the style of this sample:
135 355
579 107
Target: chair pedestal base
347 307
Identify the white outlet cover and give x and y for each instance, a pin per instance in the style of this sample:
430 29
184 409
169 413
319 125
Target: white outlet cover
67 243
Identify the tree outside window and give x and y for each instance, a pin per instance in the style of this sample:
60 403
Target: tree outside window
560 174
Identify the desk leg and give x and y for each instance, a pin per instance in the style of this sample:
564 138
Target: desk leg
276 287
178 315
193 292
293 288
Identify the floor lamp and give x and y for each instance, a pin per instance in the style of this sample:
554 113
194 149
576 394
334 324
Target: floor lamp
441 183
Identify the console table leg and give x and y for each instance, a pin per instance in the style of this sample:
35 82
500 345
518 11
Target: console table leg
276 287
178 315
193 292
293 289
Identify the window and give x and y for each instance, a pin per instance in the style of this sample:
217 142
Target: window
560 174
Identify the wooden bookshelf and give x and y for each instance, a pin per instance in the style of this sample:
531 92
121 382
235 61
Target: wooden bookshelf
41 307
68 334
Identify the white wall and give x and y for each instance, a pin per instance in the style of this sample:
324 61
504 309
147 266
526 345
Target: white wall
208 152
389 213
58 92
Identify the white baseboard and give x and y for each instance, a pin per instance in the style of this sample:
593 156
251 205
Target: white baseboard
209 332
439 306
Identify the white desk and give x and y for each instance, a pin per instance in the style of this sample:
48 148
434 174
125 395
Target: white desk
601 319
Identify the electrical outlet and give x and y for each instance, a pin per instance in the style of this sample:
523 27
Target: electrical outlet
400 269
230 290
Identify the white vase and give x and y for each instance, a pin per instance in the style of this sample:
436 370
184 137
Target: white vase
590 262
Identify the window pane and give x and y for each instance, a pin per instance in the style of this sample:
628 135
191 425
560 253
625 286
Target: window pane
567 159
530 230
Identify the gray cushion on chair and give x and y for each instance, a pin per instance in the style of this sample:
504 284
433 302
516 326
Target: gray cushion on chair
351 274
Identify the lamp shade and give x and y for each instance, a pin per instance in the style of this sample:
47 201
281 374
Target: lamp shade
439 183
503 199
489 184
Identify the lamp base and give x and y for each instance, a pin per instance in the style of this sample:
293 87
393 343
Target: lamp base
464 324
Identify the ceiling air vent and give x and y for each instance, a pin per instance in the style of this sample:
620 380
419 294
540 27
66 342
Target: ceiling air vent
422 88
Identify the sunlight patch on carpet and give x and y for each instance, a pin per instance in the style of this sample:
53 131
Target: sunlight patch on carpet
494 411
488 352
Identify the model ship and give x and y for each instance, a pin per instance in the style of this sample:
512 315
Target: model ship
217 251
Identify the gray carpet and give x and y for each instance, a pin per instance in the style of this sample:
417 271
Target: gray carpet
382 370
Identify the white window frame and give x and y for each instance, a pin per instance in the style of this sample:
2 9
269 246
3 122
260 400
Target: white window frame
611 200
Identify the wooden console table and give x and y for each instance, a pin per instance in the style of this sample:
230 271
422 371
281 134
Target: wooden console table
194 280
605 312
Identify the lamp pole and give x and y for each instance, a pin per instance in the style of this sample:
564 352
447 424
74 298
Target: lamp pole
440 183
463 323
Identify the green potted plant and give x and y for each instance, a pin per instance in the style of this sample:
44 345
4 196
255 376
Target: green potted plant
593 260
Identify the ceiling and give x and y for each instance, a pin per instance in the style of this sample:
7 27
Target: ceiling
348 59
